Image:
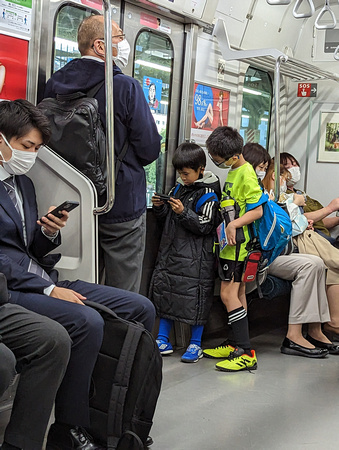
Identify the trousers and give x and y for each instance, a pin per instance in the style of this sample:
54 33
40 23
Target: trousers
308 295
38 348
123 247
85 328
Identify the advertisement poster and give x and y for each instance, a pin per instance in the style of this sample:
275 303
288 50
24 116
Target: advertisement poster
16 15
152 88
97 4
210 110
13 67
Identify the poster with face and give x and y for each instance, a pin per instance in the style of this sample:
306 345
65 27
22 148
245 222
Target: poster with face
152 90
13 67
210 110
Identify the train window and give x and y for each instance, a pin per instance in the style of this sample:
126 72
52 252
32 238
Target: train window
256 107
153 65
65 38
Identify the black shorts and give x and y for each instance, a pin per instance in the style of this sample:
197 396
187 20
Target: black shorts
230 270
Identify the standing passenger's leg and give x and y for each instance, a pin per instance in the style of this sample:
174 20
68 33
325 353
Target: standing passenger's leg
123 246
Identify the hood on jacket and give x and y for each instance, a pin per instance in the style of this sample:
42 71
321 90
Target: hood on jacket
209 180
80 74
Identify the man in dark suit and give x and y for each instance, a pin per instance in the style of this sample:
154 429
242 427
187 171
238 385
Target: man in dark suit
24 246
38 348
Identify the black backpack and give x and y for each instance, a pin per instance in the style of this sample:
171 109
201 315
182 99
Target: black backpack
77 133
126 383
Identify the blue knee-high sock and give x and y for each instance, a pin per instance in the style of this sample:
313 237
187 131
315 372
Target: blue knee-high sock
196 334
164 329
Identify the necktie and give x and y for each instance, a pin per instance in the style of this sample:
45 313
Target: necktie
9 185
33 266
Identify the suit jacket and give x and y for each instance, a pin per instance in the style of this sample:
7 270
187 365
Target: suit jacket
14 254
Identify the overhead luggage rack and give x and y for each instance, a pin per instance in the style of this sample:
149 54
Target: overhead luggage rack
266 58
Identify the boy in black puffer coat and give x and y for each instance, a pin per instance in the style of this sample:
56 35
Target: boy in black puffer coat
183 279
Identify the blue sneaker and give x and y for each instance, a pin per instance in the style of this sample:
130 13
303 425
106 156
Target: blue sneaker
192 354
165 348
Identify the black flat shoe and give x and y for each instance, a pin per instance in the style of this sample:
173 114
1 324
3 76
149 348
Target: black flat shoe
333 349
291 348
63 437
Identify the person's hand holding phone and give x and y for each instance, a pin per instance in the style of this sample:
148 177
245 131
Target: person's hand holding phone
52 224
56 218
159 199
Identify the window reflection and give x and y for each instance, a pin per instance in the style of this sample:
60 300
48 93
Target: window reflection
256 107
153 65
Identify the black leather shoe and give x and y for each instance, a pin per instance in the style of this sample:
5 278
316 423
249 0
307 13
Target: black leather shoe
63 437
333 349
149 442
291 348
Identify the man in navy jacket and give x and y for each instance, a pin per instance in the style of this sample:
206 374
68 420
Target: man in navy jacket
33 282
122 230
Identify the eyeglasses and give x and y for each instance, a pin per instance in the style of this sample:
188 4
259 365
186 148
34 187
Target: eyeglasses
121 36
218 164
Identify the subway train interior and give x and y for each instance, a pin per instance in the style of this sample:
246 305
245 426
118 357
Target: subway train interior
268 68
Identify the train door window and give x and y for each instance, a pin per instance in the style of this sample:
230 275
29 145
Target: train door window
256 107
65 38
153 66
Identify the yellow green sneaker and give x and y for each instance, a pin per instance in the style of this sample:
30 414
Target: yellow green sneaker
238 360
222 351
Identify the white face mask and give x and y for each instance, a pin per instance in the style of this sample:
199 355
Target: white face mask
260 174
123 50
20 162
295 175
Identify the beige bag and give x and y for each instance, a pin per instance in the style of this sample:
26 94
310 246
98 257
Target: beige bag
311 243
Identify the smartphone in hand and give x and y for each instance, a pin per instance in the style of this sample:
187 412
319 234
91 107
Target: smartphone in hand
163 197
68 205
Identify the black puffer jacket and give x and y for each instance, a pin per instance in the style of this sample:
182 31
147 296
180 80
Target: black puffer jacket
183 280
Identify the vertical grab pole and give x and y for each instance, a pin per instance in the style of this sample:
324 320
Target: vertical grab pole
109 111
276 108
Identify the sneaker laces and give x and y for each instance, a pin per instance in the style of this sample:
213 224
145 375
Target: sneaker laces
235 354
223 345
193 348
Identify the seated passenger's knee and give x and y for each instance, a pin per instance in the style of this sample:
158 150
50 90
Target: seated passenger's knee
7 367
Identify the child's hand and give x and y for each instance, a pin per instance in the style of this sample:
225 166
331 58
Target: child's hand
310 225
231 234
156 200
299 200
176 205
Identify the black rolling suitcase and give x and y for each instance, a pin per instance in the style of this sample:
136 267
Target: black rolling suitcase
126 383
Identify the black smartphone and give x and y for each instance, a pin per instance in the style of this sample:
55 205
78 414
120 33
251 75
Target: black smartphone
68 205
163 197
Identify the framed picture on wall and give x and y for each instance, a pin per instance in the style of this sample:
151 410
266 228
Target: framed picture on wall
328 146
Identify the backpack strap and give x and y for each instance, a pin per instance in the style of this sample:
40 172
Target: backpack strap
120 157
120 386
95 89
204 198
176 189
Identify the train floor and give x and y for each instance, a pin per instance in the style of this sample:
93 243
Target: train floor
288 403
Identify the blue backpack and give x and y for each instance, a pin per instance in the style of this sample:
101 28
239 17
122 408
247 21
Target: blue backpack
274 232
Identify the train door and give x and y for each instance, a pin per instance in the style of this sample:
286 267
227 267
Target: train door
156 62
